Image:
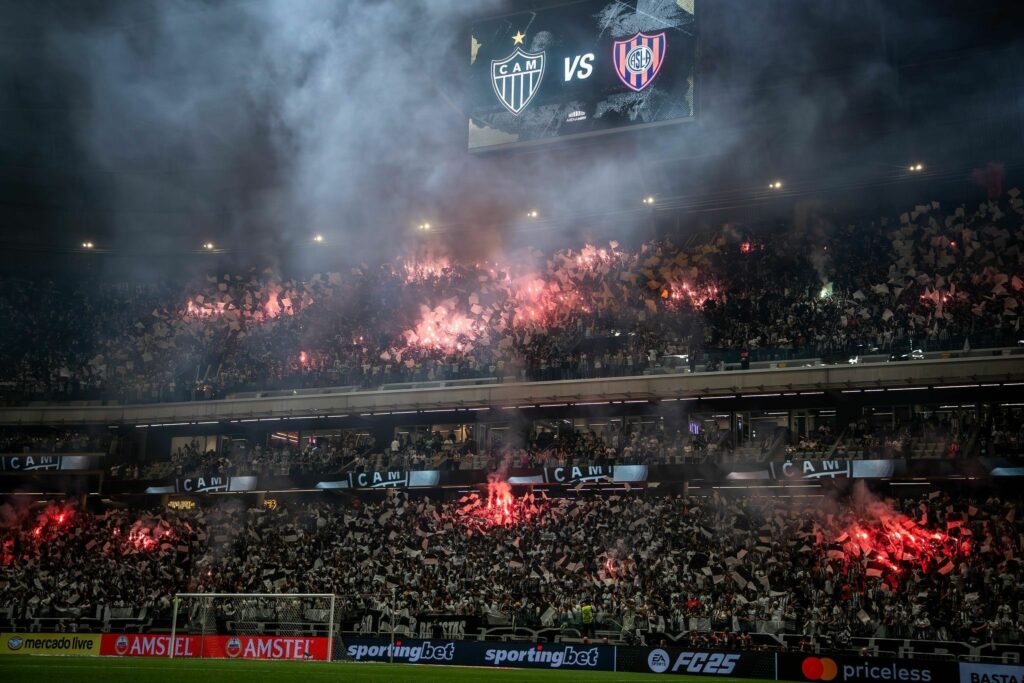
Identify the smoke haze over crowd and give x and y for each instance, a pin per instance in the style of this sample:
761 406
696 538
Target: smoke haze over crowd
159 125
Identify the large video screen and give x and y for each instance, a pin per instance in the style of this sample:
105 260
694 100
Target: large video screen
582 68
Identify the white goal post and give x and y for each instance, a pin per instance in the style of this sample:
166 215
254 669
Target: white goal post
253 614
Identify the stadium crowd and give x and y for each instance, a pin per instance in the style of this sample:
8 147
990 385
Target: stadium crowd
929 567
928 278
239 459
656 441
63 441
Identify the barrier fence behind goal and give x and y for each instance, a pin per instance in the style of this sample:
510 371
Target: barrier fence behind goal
227 617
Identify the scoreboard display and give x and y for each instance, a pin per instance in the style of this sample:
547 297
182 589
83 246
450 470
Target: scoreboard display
583 68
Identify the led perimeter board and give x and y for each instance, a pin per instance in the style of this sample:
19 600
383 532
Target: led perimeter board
583 68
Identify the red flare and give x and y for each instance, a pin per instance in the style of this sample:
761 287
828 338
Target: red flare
499 509
895 542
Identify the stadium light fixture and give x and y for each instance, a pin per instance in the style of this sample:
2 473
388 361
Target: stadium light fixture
775 185
87 245
424 226
208 246
916 168
648 200
318 238
532 213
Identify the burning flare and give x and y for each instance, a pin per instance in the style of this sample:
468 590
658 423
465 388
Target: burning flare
499 509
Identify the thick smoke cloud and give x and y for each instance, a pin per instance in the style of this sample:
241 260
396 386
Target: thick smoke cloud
265 122
281 118
261 123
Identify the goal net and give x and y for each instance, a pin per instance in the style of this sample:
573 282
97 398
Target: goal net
253 625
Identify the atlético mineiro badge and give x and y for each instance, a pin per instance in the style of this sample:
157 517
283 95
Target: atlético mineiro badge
516 79
638 59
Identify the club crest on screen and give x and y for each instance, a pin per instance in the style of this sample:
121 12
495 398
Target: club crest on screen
516 79
638 59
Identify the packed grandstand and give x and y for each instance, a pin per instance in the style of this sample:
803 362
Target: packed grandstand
930 278
785 533
701 571
833 566
632 344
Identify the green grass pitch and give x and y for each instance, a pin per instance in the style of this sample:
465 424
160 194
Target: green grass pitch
51 669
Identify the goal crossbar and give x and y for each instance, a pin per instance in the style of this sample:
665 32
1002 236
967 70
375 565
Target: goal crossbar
254 595
244 596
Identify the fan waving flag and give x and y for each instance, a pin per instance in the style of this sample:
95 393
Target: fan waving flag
638 60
